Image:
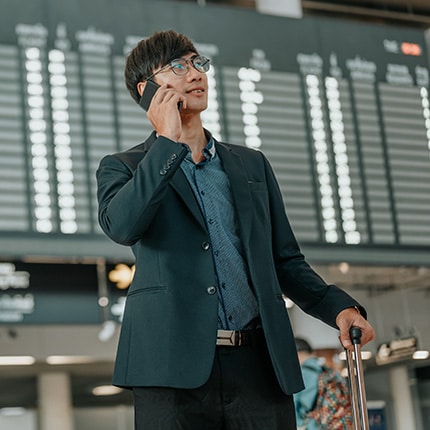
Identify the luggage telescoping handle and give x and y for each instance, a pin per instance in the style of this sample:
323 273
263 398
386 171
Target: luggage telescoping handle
356 381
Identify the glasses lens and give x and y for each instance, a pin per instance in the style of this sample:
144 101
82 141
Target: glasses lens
179 66
201 63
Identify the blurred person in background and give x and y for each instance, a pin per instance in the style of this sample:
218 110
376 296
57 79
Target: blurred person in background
325 402
305 400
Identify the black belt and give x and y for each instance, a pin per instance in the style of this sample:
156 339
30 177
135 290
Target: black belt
238 338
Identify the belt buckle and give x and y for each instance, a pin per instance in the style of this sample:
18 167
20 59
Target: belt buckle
229 338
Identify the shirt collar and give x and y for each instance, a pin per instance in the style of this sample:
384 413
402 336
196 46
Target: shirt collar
209 151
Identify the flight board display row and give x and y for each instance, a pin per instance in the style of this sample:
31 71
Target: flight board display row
341 110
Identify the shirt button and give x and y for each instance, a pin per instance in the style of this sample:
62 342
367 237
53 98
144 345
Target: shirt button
211 290
206 245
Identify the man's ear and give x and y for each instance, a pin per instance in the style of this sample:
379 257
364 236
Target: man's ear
140 87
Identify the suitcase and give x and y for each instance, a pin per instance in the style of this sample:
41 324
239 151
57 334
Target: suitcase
356 382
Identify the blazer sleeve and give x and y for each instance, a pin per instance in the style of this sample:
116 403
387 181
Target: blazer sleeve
296 277
131 185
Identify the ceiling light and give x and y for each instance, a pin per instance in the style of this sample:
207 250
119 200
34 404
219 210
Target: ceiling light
12 411
19 360
421 355
344 268
69 359
365 355
106 390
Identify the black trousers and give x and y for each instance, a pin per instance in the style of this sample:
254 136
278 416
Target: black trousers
242 393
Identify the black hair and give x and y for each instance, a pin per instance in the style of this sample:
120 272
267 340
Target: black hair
151 53
303 345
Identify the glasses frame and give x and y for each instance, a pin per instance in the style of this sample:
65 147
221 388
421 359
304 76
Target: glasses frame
188 63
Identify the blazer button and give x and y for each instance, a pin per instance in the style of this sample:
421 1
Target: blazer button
211 290
206 245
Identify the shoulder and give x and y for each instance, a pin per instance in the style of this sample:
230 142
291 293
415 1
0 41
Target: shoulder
251 158
130 157
313 364
239 149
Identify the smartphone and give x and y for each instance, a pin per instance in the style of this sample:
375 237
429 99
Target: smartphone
150 88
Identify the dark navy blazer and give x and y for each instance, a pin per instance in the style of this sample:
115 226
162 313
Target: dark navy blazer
168 334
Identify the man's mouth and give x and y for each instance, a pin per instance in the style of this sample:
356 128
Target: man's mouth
196 91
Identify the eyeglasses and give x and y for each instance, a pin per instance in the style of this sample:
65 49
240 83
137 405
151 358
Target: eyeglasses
180 66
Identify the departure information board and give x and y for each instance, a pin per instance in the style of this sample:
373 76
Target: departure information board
341 109
47 293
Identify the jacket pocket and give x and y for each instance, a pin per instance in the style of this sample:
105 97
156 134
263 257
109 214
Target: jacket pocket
257 186
148 290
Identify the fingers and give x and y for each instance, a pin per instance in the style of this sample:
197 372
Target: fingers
367 334
164 114
351 318
166 97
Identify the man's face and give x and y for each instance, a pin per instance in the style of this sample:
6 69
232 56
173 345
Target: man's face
193 84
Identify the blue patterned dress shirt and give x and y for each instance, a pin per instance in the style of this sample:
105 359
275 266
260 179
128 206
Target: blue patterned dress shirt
211 186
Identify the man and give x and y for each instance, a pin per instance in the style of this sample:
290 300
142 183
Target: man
206 342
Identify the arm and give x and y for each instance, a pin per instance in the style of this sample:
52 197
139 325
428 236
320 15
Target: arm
131 186
302 284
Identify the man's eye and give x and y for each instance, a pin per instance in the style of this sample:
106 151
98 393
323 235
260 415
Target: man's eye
178 66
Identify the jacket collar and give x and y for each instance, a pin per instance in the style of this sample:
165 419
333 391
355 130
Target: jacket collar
233 165
236 172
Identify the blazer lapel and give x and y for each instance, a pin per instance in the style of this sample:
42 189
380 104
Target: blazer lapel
180 184
233 166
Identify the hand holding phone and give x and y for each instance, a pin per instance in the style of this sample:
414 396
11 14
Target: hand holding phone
148 93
